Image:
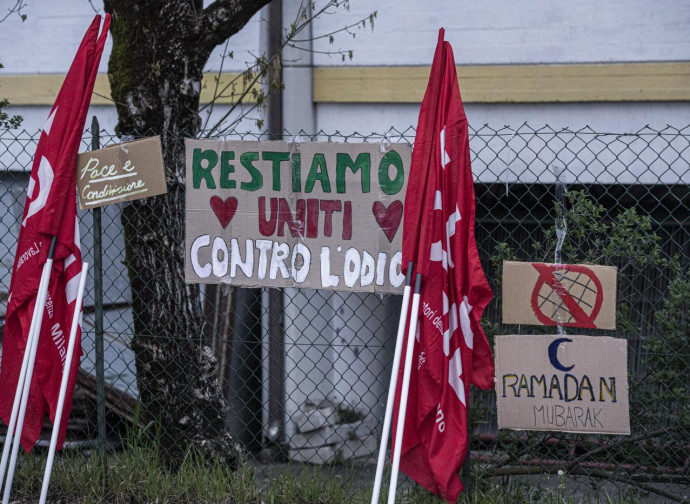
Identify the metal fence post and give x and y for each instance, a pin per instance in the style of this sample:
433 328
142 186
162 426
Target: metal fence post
466 470
98 316
276 308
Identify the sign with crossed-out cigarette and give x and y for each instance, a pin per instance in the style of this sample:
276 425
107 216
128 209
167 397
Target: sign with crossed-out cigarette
570 295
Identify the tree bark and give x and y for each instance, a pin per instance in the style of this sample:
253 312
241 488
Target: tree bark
155 70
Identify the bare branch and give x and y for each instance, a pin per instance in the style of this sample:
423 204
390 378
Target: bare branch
215 90
93 7
108 98
340 52
263 66
15 9
252 78
640 481
347 29
245 111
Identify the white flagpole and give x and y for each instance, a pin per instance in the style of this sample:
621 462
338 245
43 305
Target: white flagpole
36 322
22 375
63 384
402 410
383 445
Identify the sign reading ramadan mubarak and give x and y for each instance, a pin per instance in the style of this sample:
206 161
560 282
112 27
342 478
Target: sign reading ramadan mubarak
286 214
563 383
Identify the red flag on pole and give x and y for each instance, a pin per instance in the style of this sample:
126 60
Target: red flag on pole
452 351
50 210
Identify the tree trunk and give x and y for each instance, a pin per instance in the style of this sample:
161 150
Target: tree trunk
155 69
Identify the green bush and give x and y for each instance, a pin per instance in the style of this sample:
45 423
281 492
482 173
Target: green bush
659 345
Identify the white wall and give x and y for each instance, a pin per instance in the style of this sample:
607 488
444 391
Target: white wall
405 33
47 41
513 31
604 117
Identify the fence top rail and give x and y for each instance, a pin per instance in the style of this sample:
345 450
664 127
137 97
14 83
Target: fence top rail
523 130
524 154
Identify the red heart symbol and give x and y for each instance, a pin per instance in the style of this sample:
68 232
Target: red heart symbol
388 218
224 210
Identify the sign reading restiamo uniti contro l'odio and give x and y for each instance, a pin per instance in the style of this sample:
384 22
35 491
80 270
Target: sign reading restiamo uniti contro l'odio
307 215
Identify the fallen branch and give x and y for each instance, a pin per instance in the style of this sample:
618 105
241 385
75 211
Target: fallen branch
637 480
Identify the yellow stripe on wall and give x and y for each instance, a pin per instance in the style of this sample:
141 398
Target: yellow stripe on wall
620 82
43 89
615 82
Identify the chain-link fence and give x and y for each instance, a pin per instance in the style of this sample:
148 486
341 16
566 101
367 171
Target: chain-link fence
303 374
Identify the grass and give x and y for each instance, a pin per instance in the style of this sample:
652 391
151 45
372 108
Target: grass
136 476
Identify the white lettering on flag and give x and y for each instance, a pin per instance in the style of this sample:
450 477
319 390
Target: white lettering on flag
465 310
445 158
455 375
454 218
49 122
45 181
447 333
30 189
69 260
72 288
453 323
438 254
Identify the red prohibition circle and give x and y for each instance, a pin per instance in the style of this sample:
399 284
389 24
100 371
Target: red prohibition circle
547 277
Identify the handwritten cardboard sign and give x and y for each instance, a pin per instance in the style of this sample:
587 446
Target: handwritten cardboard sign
122 172
309 215
571 295
562 383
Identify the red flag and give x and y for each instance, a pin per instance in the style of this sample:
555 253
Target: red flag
50 210
438 236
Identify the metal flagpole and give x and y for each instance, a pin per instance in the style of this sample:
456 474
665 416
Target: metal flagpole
34 333
402 410
45 276
66 368
393 384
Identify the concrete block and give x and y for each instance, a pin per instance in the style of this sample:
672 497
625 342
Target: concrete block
327 435
321 455
315 415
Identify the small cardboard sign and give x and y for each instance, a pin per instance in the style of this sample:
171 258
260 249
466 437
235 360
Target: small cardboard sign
570 295
122 172
562 383
286 214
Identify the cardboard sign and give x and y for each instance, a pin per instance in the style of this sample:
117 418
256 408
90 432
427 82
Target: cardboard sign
308 215
122 172
570 295
562 383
